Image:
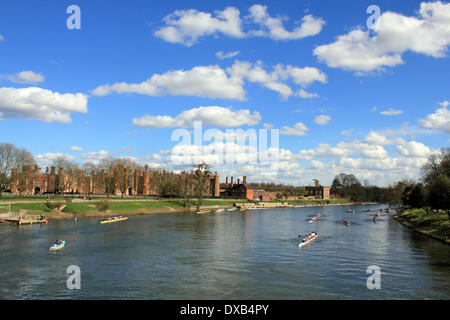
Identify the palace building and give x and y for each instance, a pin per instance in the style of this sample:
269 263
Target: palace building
318 191
32 181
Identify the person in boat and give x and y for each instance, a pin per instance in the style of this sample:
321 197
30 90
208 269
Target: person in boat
345 220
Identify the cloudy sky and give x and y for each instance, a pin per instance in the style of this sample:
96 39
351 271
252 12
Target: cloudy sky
346 90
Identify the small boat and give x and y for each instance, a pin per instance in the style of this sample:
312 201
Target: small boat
58 245
220 210
232 209
316 218
204 211
350 211
114 219
311 237
346 222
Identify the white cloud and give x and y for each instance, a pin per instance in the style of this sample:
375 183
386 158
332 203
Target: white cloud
274 29
201 81
221 55
299 129
209 115
27 77
377 138
439 120
344 149
75 148
414 149
444 104
96 156
188 26
427 34
1 38
214 82
347 132
391 112
268 126
46 159
304 94
275 80
322 119
40 104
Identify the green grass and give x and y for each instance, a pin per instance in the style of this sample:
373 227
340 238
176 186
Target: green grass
430 223
38 207
135 205
79 207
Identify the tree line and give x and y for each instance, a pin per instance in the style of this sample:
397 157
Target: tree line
110 173
431 192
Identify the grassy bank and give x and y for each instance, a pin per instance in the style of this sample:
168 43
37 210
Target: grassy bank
431 224
133 205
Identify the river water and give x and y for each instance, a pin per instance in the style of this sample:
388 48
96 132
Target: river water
231 255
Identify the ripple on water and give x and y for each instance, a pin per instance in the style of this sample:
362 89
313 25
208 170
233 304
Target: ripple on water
229 256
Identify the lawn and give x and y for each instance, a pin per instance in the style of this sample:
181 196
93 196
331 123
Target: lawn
79 207
430 223
119 206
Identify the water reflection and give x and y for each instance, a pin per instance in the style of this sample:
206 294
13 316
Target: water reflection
225 256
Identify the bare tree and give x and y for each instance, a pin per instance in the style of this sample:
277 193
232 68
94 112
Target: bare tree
11 158
88 179
124 169
187 189
108 178
201 177
65 170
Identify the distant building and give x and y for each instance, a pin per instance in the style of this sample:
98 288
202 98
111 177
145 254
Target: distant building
262 195
237 190
140 182
318 191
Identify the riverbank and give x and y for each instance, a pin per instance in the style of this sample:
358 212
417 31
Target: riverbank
88 208
436 226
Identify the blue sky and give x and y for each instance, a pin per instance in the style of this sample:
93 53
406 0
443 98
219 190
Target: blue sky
280 48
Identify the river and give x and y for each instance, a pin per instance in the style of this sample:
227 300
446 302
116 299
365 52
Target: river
231 255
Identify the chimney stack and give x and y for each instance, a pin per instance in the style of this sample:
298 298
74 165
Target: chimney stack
244 180
238 181
226 180
231 181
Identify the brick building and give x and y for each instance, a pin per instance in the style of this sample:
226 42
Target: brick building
140 182
318 191
237 190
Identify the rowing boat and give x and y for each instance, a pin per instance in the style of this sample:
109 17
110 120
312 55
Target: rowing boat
347 223
304 243
204 211
314 219
109 220
57 246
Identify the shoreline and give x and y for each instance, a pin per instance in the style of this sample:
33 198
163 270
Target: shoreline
70 215
145 211
404 220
